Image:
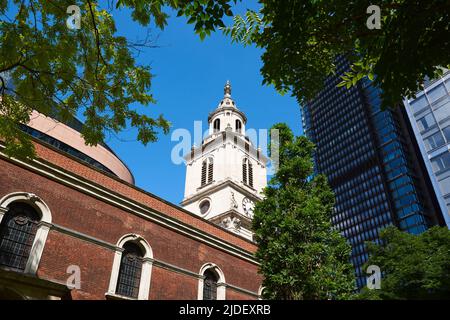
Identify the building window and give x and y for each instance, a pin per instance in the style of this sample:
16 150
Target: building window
216 125
238 126
447 82
442 111
17 233
445 186
207 171
130 271
25 221
247 172
419 104
434 141
441 162
426 122
204 206
210 285
436 93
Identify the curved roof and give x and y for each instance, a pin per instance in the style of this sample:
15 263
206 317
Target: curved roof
101 156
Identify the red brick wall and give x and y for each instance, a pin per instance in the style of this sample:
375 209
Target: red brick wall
169 285
87 215
136 194
236 295
95 263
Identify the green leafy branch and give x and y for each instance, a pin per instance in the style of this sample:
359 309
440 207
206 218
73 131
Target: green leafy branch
245 28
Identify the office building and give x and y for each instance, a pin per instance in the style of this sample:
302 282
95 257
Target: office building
429 114
371 162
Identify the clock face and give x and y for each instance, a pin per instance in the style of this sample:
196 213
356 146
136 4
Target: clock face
248 206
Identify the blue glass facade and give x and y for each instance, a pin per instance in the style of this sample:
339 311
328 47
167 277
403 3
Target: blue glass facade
370 162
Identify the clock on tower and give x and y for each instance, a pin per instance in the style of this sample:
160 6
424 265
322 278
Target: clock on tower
248 206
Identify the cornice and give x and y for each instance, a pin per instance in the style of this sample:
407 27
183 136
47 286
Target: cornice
85 186
219 186
226 137
227 108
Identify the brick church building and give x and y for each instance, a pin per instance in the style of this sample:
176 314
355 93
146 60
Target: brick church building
74 226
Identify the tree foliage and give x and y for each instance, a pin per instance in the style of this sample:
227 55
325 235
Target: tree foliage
414 266
301 255
59 71
302 38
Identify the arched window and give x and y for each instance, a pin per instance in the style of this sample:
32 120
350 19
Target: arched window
25 222
205 205
238 126
216 125
130 271
247 172
207 171
132 268
261 293
17 233
210 285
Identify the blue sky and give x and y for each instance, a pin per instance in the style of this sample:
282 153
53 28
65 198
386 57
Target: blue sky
188 84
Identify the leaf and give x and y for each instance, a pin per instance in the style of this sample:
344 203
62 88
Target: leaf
202 35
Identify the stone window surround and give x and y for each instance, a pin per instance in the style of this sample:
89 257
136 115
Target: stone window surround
43 226
146 273
221 284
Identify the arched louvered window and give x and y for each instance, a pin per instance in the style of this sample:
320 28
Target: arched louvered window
130 270
210 285
247 172
250 174
216 125
204 172
244 171
17 233
207 171
238 126
210 170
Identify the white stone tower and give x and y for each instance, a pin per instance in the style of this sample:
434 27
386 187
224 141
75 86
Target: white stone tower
226 174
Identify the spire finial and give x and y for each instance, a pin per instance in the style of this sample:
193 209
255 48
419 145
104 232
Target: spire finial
227 89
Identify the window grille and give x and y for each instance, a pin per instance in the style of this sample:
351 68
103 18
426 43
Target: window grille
17 233
130 271
207 171
203 181
210 285
250 174
244 171
210 170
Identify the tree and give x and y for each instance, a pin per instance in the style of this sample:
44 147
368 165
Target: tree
60 70
414 266
302 38
301 255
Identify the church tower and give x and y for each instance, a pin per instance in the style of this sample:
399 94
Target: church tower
226 174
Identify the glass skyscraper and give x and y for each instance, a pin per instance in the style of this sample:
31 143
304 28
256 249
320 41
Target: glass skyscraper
429 114
371 163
